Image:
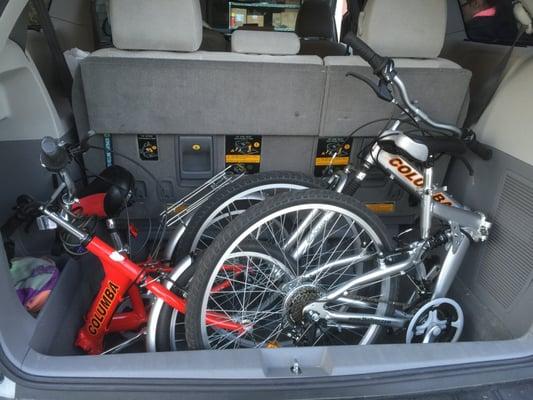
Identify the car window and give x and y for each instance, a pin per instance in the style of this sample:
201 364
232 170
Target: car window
491 21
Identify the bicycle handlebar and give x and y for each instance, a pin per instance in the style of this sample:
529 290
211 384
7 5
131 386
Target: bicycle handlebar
55 156
384 69
479 149
377 62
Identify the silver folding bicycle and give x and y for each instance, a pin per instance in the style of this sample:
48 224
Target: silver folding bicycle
316 267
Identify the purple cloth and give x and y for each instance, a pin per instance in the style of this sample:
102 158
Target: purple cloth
32 276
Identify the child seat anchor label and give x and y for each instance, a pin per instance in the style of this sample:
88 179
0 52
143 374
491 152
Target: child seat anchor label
332 153
243 153
148 148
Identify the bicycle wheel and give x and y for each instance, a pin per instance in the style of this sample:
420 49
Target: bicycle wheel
265 268
208 221
232 201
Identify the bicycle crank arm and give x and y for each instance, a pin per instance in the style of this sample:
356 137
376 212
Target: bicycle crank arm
317 312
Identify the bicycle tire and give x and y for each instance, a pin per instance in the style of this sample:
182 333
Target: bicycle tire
207 262
185 246
186 243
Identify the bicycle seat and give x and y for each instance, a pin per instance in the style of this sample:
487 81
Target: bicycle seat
422 148
442 145
108 194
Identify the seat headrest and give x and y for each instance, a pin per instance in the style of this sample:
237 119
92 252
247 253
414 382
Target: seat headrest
315 20
265 42
166 25
404 28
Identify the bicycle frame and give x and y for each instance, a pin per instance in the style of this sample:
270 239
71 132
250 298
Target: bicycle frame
465 226
120 276
138 316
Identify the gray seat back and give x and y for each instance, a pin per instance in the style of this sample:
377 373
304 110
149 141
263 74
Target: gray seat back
202 93
156 82
440 87
412 32
156 86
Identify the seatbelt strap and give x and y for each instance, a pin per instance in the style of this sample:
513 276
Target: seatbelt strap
108 150
53 44
490 87
356 7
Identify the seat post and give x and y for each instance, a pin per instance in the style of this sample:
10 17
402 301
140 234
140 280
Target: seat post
425 207
115 236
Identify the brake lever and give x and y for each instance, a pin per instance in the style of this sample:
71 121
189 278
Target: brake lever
466 164
381 89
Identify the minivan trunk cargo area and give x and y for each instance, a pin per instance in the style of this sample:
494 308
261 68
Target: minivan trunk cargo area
493 287
188 143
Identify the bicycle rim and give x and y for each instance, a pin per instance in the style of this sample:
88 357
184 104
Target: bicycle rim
233 207
279 285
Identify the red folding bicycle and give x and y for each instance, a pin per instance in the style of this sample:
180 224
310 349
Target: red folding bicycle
123 278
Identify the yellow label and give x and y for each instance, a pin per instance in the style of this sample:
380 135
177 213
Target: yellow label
381 208
243 158
337 161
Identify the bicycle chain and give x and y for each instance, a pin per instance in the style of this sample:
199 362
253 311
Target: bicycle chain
374 301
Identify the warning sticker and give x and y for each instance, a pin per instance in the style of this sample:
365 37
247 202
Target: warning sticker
243 153
382 208
148 148
332 153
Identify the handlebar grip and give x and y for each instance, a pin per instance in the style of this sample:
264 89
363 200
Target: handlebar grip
53 156
376 61
480 150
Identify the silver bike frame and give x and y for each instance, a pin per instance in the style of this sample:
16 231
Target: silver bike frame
466 226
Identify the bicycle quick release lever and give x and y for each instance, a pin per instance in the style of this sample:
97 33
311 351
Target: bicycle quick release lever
53 156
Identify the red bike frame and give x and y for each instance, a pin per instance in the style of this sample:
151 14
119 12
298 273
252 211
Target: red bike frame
122 276
138 316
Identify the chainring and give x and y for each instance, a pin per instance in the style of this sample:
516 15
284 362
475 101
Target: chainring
440 320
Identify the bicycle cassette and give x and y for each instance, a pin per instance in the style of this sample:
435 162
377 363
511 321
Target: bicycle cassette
440 320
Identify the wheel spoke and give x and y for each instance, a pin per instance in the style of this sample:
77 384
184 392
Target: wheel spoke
271 291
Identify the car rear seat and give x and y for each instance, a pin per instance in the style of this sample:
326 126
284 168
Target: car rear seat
412 32
156 82
316 26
